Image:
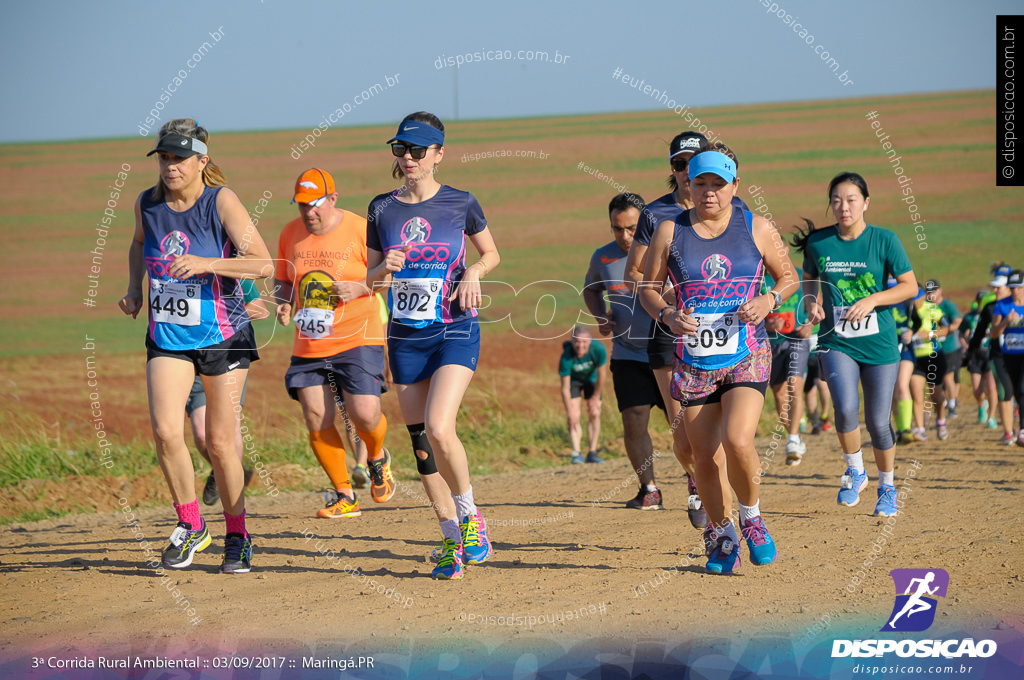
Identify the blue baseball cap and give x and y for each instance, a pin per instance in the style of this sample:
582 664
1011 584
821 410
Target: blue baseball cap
417 134
714 162
1001 276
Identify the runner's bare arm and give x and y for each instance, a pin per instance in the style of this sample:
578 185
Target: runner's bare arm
775 253
253 260
380 268
652 295
468 290
635 262
566 392
131 303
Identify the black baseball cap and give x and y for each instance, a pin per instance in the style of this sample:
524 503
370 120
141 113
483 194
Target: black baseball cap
931 285
179 145
1015 279
687 142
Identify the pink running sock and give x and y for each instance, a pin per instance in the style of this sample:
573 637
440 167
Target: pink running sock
235 524
190 513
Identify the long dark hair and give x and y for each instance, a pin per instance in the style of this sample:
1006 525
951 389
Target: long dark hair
799 241
418 117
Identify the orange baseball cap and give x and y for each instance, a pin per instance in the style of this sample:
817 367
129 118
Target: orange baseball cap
312 185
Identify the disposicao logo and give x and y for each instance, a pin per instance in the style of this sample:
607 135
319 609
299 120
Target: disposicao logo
914 610
917 593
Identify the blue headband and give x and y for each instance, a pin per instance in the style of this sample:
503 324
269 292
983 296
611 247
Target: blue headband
418 134
715 163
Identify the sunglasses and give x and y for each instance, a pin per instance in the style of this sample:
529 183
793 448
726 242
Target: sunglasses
318 202
399 150
680 165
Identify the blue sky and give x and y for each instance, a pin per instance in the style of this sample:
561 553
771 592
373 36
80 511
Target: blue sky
74 70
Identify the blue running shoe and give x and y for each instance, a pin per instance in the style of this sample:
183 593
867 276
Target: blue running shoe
577 457
592 457
723 553
449 565
850 486
759 541
476 547
886 505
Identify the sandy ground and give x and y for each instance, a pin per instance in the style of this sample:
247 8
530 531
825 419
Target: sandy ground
563 542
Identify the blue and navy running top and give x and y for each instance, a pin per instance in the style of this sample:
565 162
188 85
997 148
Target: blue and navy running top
716 276
436 229
1012 339
201 310
661 210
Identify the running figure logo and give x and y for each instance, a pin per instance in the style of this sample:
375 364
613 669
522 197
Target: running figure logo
174 244
914 610
716 266
416 230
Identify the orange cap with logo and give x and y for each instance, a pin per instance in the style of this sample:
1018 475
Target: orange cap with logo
313 184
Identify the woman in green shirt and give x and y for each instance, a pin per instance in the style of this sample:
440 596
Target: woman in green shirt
846 266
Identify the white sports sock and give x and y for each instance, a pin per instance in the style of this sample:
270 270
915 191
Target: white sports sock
855 461
885 478
730 531
464 505
450 529
650 488
794 438
749 512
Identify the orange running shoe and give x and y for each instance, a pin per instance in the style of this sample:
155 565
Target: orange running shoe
382 482
339 505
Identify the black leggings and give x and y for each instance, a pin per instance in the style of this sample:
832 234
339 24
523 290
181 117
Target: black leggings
1015 368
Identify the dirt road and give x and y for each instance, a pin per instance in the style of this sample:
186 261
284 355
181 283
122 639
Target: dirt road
574 572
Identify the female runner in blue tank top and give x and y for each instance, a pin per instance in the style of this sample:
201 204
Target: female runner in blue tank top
715 256
857 336
416 239
194 240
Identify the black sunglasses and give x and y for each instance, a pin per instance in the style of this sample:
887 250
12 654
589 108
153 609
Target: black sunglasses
680 165
399 150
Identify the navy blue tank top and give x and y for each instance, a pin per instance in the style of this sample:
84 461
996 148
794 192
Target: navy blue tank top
201 310
714 277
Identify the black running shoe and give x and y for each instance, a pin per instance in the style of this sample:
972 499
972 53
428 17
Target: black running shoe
184 544
237 554
210 493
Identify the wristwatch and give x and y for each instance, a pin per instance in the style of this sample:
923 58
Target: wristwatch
661 314
778 299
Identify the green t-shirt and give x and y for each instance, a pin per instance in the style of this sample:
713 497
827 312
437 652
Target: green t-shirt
950 344
792 312
582 369
850 271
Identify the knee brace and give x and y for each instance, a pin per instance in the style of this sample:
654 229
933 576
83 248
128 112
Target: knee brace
418 435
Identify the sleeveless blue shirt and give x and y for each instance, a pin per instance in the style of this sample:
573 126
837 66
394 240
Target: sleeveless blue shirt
199 311
714 277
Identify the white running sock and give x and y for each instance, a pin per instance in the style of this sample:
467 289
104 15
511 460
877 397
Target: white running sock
464 505
749 512
794 438
450 529
650 488
885 478
855 461
730 531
